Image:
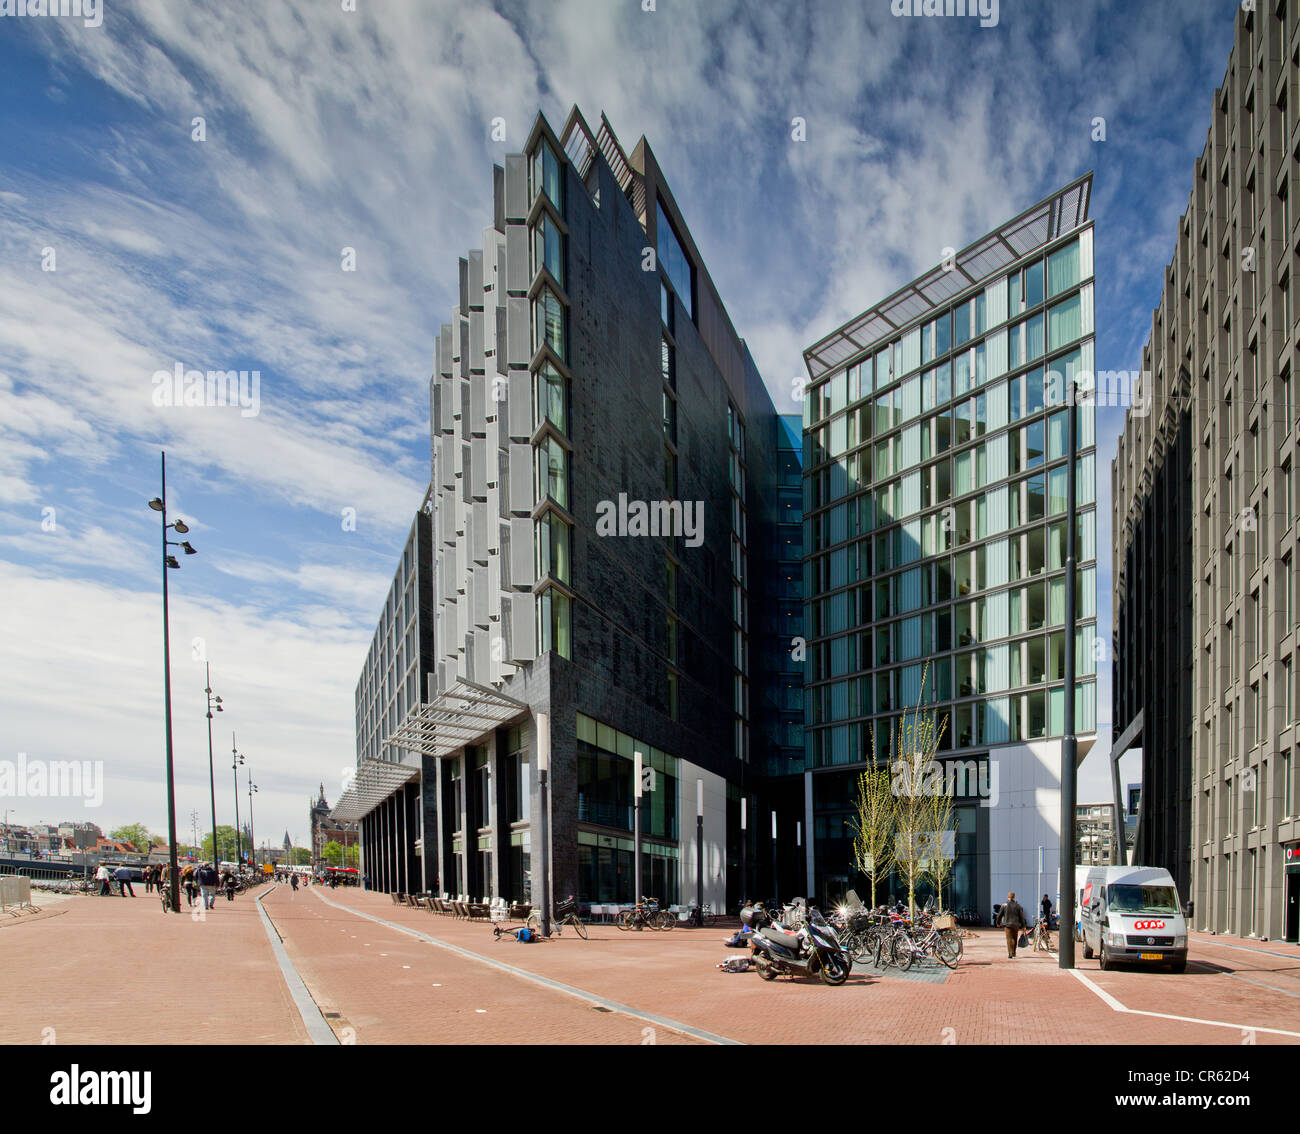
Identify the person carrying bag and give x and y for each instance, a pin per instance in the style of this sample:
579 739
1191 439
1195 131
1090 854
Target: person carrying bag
1012 919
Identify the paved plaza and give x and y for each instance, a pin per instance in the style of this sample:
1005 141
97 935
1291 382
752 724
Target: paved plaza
119 971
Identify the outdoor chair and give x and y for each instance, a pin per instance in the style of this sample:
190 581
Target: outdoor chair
519 911
478 911
397 898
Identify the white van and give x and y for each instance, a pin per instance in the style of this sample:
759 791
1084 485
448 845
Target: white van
1131 914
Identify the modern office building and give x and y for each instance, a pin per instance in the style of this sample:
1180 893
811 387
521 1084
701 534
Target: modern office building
614 534
1204 502
1094 834
935 501
384 811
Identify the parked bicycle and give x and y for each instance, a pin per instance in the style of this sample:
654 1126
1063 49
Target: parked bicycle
646 914
565 913
1043 937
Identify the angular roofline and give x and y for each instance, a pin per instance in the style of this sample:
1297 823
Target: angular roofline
1052 217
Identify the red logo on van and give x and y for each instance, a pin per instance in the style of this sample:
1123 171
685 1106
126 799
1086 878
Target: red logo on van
1148 925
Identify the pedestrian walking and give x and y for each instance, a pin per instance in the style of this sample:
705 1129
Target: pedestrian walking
190 883
294 883
1012 919
207 879
102 877
228 881
123 876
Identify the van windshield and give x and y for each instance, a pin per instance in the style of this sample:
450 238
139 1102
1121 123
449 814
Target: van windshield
1143 899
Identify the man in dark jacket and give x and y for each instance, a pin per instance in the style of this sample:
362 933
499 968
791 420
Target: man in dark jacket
206 876
1013 921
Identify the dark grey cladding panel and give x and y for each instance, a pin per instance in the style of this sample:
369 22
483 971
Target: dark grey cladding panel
464 284
477 359
462 346
503 474
465 411
499 313
478 397
516 187
517 259
444 349
517 332
498 197
474 279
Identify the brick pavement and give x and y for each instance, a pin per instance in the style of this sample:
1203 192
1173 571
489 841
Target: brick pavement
989 999
377 985
120 971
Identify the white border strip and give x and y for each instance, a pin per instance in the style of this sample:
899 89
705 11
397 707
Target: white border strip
1118 1007
318 1030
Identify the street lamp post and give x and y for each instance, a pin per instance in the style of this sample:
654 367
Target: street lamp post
252 842
1069 742
543 835
170 563
636 829
744 853
776 889
699 852
214 704
235 760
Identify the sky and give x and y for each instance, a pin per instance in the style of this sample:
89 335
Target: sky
187 184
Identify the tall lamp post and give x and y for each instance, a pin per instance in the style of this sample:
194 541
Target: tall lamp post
252 842
699 852
744 853
170 563
776 889
543 835
235 760
1069 742
214 704
636 829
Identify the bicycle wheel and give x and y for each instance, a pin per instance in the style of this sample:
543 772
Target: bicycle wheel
625 919
902 952
947 951
578 927
665 920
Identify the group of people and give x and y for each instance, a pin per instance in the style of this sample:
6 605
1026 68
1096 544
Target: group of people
1012 918
106 878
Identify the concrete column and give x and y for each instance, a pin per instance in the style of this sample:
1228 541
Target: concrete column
496 814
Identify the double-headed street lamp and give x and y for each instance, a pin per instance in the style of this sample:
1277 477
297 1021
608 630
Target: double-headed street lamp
170 562
252 842
214 704
235 761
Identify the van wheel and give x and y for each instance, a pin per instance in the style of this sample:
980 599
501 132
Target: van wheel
1105 964
1087 949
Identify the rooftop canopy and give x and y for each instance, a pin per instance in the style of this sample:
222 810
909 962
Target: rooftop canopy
1052 217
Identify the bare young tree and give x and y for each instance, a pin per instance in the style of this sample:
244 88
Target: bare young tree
873 823
916 779
942 851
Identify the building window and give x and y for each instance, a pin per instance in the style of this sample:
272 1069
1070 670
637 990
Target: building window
548 322
551 398
674 262
545 175
553 540
548 248
668 364
670 474
672 638
670 417
553 622
553 471
671 571
672 696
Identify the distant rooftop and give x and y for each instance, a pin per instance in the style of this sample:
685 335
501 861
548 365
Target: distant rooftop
1053 216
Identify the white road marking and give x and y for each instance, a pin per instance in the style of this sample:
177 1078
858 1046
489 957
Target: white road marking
1118 1007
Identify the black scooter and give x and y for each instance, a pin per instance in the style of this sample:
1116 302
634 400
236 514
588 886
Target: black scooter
812 948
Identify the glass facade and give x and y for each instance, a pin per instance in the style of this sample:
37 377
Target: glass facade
606 773
935 504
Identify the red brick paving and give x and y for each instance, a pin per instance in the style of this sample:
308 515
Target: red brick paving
114 970
389 987
989 999
120 971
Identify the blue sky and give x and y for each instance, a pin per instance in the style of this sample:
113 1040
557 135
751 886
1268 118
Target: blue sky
327 129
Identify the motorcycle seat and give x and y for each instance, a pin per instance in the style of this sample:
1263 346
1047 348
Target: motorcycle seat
778 937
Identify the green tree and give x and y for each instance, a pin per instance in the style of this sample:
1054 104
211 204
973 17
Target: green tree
137 834
225 845
300 856
332 853
873 824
